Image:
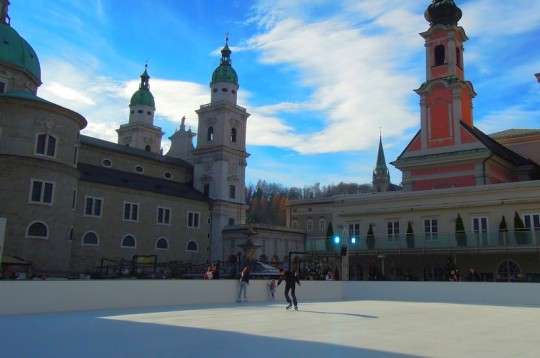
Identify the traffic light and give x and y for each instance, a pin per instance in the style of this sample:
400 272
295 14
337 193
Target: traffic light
343 250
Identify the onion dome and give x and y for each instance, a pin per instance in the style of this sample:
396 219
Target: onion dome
443 12
143 96
224 72
14 50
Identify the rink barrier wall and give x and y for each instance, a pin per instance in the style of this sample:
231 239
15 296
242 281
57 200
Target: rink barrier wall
26 297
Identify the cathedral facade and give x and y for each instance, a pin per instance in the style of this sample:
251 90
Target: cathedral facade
70 200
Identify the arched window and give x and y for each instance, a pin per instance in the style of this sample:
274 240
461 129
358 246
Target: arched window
90 239
192 246
508 271
210 134
162 244
233 135
458 57
129 242
148 148
37 230
439 55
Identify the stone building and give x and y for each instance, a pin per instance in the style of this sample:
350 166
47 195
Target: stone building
71 200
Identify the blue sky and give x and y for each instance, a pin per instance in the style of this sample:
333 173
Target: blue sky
321 78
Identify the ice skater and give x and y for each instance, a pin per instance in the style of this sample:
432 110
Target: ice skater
244 282
272 287
291 279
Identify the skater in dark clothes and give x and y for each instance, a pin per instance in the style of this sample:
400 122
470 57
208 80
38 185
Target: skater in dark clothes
291 279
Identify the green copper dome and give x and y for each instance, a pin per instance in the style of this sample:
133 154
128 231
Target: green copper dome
224 72
16 52
143 96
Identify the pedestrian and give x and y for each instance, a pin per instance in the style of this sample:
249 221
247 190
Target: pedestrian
244 282
272 287
291 279
215 272
208 273
329 275
473 275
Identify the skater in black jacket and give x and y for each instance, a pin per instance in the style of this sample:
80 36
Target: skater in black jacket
291 279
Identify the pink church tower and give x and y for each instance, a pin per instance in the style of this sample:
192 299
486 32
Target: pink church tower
448 151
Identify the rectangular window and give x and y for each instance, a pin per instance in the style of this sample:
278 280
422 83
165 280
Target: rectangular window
164 216
231 221
2 87
322 224
193 219
354 230
41 191
46 145
206 190
131 212
480 229
431 230
309 225
92 206
392 230
232 192
532 221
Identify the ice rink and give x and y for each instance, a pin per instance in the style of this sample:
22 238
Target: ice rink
318 329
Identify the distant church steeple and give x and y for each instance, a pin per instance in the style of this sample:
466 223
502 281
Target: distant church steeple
381 174
140 132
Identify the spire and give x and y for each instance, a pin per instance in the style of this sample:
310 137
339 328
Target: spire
381 161
226 53
381 175
4 17
225 72
145 84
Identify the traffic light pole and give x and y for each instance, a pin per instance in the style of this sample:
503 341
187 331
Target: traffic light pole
345 265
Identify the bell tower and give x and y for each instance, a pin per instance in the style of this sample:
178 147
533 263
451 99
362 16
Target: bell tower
220 155
140 132
446 97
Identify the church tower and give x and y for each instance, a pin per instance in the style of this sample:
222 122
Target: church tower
448 151
220 155
140 132
381 174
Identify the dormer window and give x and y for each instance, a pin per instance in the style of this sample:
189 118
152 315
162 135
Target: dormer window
439 55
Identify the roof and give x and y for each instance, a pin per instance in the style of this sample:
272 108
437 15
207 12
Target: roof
117 178
225 72
120 148
511 133
15 51
497 148
491 144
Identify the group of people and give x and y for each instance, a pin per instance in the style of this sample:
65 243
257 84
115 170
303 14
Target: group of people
212 273
290 278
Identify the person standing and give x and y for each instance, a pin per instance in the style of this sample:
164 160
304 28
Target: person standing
291 279
244 281
215 272
208 273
